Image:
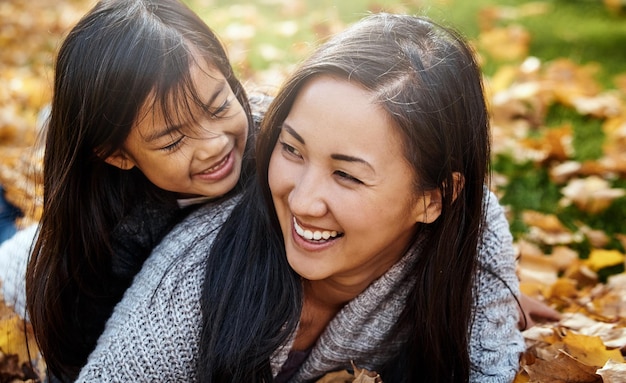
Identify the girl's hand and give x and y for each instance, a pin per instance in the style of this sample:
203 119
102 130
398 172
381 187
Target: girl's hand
534 310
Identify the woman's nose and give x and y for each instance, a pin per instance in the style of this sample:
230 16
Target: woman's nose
307 196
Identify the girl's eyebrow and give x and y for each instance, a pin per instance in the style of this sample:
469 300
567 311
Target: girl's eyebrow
172 128
338 157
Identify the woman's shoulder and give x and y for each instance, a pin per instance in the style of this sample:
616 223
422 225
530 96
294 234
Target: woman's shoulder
199 228
181 253
496 238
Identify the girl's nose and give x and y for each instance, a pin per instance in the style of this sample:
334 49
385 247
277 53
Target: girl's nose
210 145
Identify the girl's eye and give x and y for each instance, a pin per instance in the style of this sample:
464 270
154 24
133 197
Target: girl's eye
217 113
347 177
173 146
290 150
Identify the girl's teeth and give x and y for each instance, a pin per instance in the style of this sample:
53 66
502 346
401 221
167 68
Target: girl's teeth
214 168
313 235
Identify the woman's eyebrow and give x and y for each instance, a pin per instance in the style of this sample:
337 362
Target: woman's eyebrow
172 128
344 157
338 157
291 131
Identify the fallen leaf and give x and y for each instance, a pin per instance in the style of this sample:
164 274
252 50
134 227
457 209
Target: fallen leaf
591 194
612 372
601 258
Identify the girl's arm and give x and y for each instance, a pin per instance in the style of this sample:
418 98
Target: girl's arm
153 333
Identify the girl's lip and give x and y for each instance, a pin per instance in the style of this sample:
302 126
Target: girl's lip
220 170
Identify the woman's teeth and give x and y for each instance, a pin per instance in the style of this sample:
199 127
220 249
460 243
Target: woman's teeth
314 235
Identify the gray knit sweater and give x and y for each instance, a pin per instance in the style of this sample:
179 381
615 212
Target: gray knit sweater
153 334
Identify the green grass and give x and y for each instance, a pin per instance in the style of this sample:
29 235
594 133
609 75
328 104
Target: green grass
584 31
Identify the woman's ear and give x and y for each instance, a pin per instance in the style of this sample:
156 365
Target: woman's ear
428 207
120 160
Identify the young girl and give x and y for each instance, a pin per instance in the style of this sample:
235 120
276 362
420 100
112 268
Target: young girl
147 121
370 237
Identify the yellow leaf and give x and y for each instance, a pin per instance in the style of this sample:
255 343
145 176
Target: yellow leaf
564 287
589 350
601 258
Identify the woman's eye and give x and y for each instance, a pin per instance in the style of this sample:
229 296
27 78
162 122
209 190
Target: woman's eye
290 149
345 176
174 145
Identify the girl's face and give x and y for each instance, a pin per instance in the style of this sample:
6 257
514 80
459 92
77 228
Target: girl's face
343 191
199 156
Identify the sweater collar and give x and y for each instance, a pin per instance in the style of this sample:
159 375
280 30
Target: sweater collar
360 332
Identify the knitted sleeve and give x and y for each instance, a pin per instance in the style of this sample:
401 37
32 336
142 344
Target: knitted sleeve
495 341
14 253
153 333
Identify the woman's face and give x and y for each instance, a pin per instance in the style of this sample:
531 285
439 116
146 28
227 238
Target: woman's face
199 156
343 191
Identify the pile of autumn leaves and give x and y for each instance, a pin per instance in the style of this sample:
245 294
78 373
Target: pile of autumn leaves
587 345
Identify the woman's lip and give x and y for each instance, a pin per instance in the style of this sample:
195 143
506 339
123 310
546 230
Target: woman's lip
311 245
311 233
220 170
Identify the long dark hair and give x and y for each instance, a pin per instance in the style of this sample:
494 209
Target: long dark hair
425 77
120 55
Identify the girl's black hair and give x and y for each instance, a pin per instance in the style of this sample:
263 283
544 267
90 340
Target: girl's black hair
122 55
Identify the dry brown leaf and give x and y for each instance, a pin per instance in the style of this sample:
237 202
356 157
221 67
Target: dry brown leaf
554 144
563 171
568 80
337 377
365 376
17 348
612 334
560 369
506 43
591 194
612 372
603 105
360 375
548 229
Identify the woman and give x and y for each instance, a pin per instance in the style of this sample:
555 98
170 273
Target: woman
369 236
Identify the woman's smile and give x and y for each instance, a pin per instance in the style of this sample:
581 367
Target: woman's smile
344 198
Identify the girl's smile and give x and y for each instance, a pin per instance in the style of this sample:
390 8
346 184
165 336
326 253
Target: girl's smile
218 171
200 151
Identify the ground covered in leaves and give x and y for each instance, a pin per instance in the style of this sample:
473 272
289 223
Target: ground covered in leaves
559 145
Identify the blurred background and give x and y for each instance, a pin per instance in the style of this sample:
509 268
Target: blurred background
555 76
555 79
